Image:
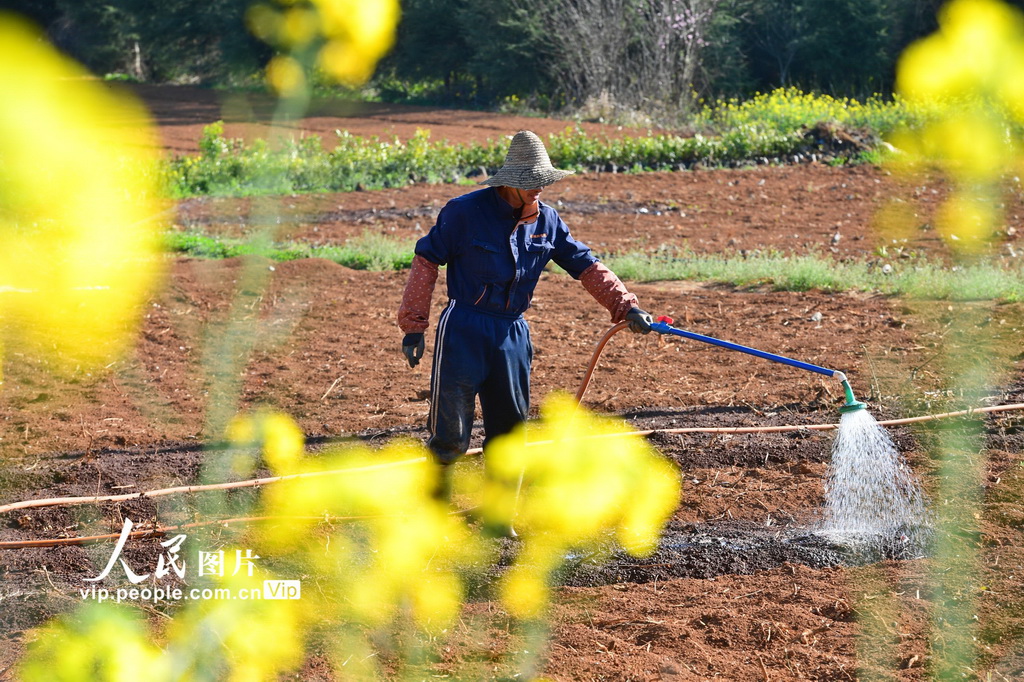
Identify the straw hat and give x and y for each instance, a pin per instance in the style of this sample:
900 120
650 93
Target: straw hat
527 165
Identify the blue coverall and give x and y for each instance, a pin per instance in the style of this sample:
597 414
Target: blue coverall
482 344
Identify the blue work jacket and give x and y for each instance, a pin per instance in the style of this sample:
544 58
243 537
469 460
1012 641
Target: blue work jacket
493 264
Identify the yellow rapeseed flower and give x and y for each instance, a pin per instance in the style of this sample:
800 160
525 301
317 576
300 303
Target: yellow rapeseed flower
300 25
359 33
969 77
286 76
524 592
79 204
578 491
966 219
348 37
383 545
976 52
98 641
248 639
279 436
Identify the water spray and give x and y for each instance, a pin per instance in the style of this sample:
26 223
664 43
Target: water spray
874 505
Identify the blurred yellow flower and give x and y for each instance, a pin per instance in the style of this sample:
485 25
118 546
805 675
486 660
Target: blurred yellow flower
970 74
79 204
374 550
280 437
263 21
977 51
578 491
96 642
245 638
381 543
299 26
359 33
966 219
897 218
524 592
286 76
348 37
436 600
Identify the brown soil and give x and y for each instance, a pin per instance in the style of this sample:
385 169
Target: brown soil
181 112
736 590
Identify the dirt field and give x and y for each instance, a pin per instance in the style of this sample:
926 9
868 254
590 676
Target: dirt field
736 590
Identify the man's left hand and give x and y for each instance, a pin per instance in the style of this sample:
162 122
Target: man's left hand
639 321
412 346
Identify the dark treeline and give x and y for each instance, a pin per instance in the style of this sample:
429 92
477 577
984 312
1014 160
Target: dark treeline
152 40
646 55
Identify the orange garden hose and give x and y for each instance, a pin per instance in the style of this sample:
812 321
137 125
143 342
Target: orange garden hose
161 531
588 375
251 483
585 384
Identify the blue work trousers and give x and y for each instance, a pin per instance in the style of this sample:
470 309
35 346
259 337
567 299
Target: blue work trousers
477 353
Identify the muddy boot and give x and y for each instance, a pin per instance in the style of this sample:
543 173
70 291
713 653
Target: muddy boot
442 491
502 529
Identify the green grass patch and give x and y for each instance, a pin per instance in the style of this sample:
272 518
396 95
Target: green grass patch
369 251
914 278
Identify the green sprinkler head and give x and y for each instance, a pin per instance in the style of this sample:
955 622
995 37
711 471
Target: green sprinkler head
852 404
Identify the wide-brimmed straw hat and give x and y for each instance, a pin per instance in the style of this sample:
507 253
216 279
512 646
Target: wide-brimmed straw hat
527 165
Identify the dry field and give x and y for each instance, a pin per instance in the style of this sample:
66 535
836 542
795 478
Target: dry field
737 589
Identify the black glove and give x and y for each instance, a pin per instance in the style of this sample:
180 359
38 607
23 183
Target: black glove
639 321
412 346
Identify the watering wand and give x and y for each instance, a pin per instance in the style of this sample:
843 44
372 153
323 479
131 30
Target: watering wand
663 326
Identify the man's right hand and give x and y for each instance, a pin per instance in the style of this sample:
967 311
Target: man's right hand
639 321
412 346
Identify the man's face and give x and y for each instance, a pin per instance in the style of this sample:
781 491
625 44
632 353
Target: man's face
530 195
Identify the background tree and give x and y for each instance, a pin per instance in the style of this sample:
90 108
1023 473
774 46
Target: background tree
430 44
195 40
508 51
622 54
605 56
481 51
840 47
162 40
724 68
775 32
589 41
847 48
86 30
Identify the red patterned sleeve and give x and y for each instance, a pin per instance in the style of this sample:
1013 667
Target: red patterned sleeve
414 312
603 285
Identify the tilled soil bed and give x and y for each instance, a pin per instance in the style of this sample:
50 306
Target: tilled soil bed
739 588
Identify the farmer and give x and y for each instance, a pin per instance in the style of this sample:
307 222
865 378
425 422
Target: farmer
495 242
